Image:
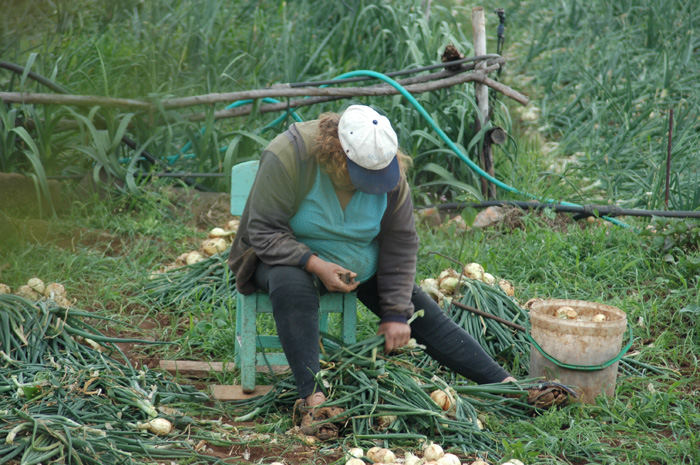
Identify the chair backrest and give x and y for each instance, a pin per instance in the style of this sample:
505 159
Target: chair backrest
242 177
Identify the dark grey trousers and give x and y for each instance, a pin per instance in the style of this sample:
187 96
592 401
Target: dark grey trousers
294 294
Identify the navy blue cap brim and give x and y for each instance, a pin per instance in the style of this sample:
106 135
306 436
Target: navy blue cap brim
374 181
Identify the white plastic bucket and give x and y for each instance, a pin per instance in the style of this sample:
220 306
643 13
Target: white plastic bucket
579 342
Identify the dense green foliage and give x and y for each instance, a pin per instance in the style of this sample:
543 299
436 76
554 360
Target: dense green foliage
605 76
603 79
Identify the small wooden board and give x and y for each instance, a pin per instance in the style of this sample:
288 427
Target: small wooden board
235 392
195 367
203 369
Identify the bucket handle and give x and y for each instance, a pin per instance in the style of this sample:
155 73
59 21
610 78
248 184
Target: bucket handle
570 366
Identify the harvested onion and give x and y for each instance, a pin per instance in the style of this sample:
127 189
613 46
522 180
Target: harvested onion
54 290
233 224
194 257
430 287
473 271
214 246
384 421
410 459
566 313
442 399
480 462
37 285
159 426
513 462
354 461
218 232
506 287
449 459
433 452
379 454
356 452
489 279
5 289
599 317
28 293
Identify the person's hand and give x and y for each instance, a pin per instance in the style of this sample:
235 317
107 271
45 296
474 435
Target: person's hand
333 276
395 334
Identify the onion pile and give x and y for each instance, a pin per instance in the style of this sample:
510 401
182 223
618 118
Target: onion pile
568 313
218 240
36 289
448 283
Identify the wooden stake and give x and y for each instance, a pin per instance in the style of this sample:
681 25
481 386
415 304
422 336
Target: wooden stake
479 31
481 92
668 155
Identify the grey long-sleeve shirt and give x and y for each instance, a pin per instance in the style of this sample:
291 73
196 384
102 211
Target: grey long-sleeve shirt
285 176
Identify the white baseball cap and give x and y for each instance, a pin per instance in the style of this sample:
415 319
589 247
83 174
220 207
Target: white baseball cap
370 144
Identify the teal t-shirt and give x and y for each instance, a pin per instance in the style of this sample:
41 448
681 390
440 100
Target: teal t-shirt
346 237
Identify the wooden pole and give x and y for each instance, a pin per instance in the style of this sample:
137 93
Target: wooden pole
481 92
668 156
479 32
413 85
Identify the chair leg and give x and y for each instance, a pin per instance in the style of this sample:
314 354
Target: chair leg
247 348
349 318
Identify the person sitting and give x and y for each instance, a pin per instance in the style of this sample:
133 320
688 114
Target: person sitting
330 210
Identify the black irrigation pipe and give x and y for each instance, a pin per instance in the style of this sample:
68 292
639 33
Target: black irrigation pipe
446 64
583 211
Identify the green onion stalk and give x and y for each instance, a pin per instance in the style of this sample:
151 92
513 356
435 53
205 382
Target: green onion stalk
65 398
387 398
209 281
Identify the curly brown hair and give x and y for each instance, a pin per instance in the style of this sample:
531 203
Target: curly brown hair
331 156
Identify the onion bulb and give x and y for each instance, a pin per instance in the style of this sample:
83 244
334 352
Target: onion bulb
379 454
449 284
433 452
214 246
54 290
480 462
599 317
410 459
37 285
356 452
384 421
5 289
355 461
181 259
489 279
442 399
28 293
430 287
194 257
233 224
473 271
449 459
372 453
566 313
62 301
159 426
218 232
513 462
506 287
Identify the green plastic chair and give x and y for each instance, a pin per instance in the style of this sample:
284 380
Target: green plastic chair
253 350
